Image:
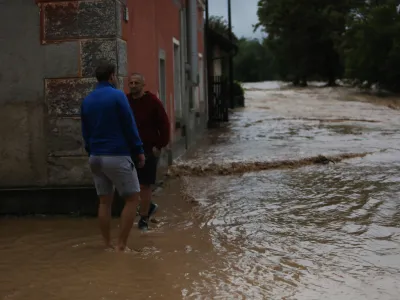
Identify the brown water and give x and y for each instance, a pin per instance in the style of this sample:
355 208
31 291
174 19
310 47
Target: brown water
315 232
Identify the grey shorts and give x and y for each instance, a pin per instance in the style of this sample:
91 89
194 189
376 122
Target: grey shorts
114 171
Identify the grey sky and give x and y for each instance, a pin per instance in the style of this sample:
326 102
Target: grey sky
244 15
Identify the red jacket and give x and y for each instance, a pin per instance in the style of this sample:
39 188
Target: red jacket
152 121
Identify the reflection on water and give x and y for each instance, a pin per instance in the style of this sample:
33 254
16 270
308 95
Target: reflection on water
316 232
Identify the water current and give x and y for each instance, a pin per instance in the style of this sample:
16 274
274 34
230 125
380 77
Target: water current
329 231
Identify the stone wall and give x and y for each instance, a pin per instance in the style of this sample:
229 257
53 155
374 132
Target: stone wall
51 50
85 32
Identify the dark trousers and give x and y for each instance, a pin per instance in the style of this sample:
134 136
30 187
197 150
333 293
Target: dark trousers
148 174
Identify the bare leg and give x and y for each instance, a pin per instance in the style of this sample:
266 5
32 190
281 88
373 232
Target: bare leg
127 217
104 215
145 197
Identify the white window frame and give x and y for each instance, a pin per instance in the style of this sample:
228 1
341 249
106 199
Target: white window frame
178 105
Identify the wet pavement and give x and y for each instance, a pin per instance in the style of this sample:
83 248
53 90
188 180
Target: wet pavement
309 232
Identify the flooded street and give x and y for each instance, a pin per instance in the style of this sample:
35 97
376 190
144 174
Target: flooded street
304 231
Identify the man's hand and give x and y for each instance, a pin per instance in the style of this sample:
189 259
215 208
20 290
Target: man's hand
141 160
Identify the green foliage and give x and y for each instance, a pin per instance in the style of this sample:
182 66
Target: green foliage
221 26
253 62
372 45
238 89
325 39
303 36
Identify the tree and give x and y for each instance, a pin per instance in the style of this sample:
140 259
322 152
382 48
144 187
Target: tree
220 25
254 62
372 45
304 36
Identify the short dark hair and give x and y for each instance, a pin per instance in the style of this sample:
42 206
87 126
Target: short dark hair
104 71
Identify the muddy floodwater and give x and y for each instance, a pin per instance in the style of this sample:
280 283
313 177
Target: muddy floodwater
304 231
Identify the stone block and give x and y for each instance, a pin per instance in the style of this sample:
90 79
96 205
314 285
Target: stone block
122 57
64 96
64 137
61 60
79 19
23 145
61 20
94 51
97 19
21 54
64 171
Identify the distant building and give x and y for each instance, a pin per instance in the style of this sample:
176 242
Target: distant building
49 53
220 97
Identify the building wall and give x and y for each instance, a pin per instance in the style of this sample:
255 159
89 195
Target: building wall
22 113
197 117
48 61
152 26
51 50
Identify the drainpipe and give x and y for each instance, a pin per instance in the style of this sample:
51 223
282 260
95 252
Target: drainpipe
194 55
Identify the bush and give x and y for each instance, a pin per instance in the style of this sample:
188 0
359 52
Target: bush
238 89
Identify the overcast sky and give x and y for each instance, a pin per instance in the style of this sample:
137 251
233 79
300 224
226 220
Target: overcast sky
244 15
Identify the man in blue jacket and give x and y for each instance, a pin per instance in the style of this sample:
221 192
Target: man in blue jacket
111 136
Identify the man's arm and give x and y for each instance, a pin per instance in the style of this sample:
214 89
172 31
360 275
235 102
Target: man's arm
162 124
85 133
129 125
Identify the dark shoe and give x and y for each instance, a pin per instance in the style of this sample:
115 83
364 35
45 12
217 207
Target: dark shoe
143 223
153 209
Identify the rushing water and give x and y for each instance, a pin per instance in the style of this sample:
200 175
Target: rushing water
316 232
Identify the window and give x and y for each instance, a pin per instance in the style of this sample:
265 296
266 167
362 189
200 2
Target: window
162 78
177 80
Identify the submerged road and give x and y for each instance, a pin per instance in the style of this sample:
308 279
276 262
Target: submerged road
307 231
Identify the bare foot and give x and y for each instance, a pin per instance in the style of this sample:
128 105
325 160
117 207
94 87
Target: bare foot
109 247
126 249
120 248
123 248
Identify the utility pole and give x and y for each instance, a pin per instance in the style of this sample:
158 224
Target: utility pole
231 104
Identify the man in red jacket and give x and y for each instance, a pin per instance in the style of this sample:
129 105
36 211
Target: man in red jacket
154 130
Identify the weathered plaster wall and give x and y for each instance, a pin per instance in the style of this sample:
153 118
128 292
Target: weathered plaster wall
49 52
22 61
